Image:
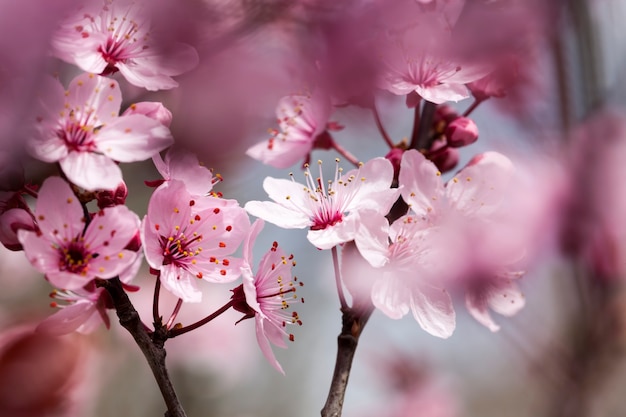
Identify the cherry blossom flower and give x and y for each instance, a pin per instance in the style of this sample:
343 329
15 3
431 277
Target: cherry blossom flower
466 210
413 62
184 166
80 129
302 118
69 253
84 309
188 239
116 35
328 212
268 295
406 271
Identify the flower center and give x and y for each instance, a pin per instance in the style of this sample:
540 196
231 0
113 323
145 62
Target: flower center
77 137
179 249
75 258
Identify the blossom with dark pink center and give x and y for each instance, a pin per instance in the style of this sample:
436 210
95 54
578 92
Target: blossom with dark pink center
81 130
269 293
116 35
328 209
188 238
70 252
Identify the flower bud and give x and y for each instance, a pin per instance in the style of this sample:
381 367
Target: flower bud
444 157
10 222
461 132
110 198
153 110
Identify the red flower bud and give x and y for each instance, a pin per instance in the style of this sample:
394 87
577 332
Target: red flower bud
461 132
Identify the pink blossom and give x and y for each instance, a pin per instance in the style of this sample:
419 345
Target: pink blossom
328 212
268 294
466 210
407 271
412 65
80 129
116 35
184 166
188 238
84 309
302 118
67 251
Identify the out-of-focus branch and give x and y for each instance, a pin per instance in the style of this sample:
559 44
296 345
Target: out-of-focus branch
151 345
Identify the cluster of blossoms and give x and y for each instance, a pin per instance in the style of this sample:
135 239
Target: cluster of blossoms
407 248
403 240
190 233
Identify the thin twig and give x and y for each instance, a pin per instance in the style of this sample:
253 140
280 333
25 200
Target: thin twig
169 323
381 128
181 330
345 153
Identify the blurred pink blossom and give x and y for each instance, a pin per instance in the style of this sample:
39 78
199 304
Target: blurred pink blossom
302 118
43 375
115 35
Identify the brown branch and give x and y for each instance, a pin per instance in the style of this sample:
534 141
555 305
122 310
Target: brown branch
352 326
151 345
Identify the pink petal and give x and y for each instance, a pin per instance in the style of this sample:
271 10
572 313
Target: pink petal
111 230
67 319
67 280
433 310
280 153
133 138
264 344
372 186
184 166
146 78
109 266
477 306
422 188
248 243
505 297
95 93
177 59
479 188
372 238
391 296
58 211
277 214
180 283
39 251
441 93
91 171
